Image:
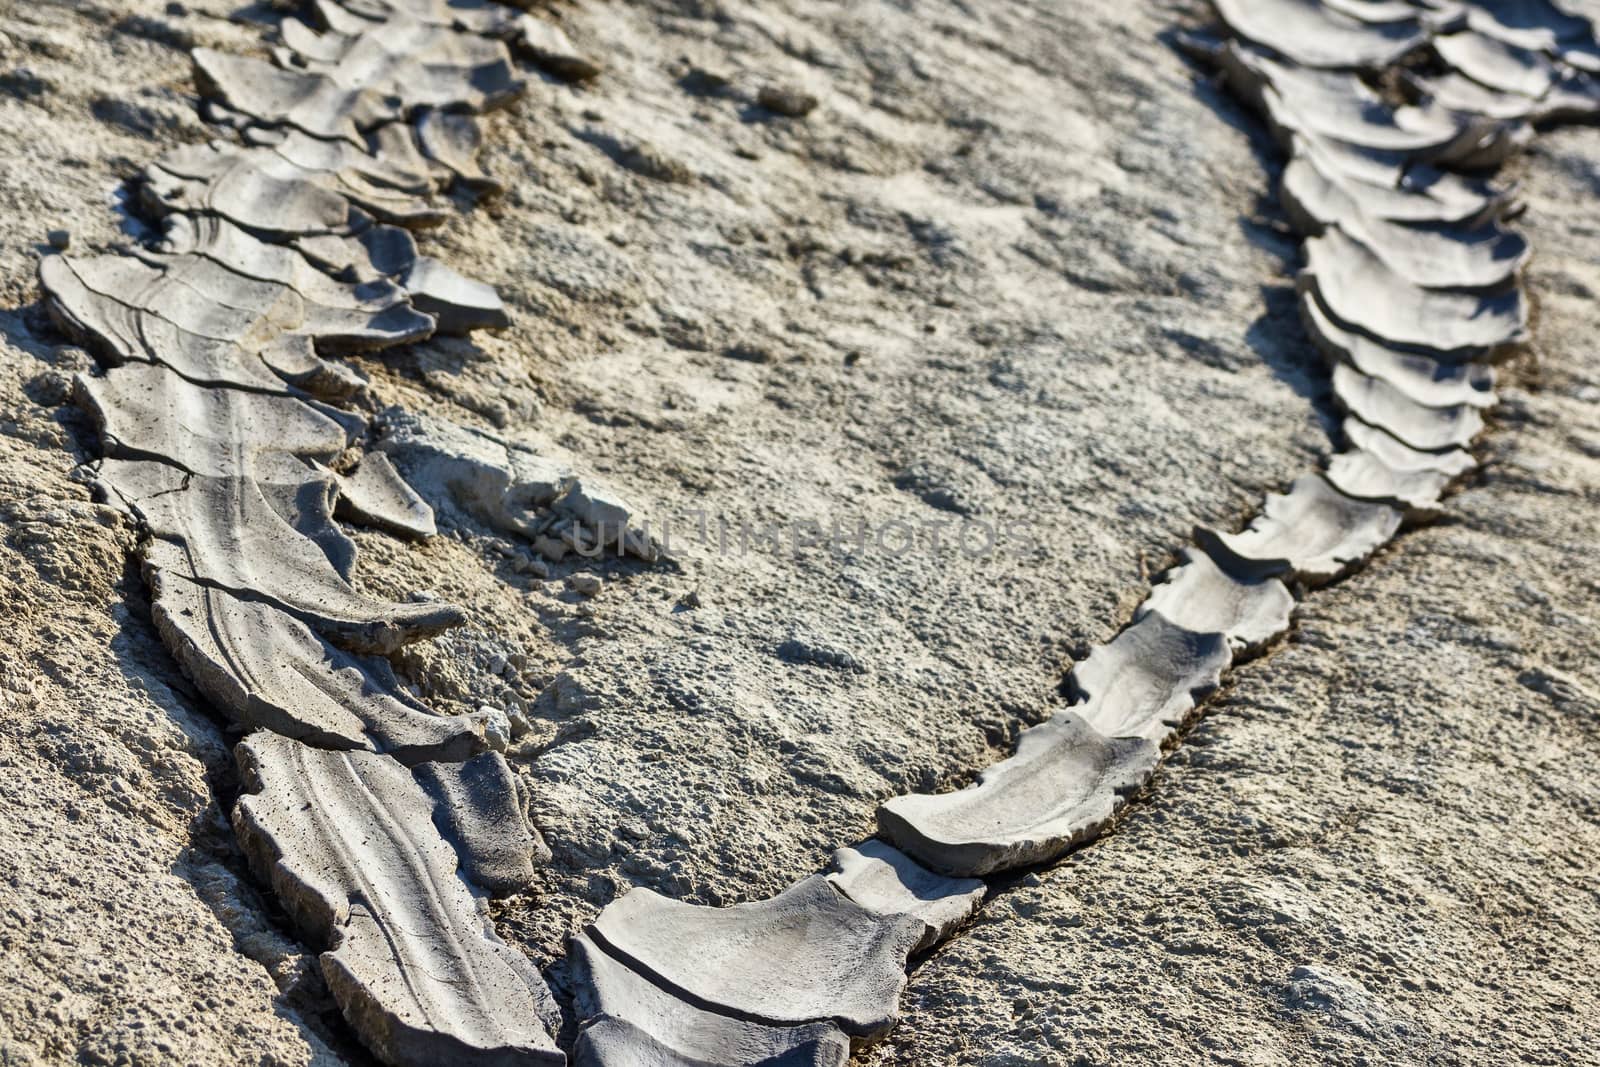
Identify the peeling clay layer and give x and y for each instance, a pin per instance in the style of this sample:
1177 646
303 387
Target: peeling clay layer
228 434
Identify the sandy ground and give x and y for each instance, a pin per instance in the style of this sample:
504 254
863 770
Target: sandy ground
1019 273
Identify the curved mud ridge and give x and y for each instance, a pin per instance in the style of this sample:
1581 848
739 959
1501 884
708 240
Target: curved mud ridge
235 438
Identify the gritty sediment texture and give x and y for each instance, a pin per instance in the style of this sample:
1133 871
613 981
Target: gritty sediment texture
801 264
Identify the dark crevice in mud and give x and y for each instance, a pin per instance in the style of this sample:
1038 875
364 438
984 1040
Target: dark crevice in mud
262 930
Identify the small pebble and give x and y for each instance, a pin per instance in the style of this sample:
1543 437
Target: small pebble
649 161
496 727
786 100
584 584
703 82
553 51
529 565
60 239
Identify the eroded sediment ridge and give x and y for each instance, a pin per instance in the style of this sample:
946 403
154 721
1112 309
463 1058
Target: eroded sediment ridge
1410 290
235 438
231 433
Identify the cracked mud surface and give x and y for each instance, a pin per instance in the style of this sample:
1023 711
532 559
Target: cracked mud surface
1012 268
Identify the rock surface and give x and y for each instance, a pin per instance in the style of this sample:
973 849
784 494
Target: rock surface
1311 533
310 102
1426 381
1403 458
1326 181
630 1021
262 667
453 140
1424 428
1202 598
1341 108
1495 64
1145 681
1442 256
231 533
1359 291
1318 35
1361 474
549 46
478 805
1086 225
375 494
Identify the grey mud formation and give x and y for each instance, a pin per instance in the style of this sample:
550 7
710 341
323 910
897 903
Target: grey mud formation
230 437
1411 290
236 433
234 441
350 844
